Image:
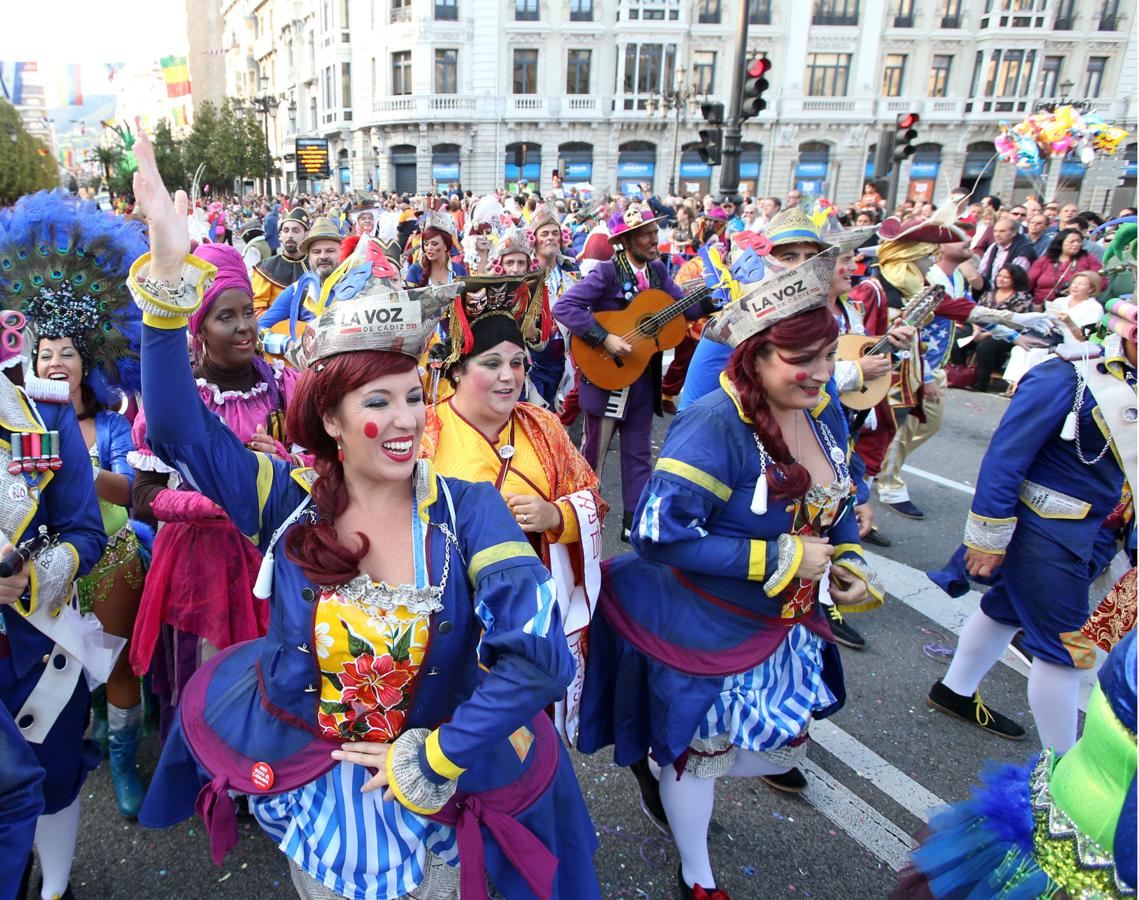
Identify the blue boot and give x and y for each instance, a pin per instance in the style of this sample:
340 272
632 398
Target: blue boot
123 728
98 730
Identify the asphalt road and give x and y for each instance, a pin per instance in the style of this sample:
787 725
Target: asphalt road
875 768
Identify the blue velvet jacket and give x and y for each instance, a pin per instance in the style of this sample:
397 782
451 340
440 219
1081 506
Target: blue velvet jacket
497 654
65 502
1029 447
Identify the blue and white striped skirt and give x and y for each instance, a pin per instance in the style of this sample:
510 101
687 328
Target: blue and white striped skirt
769 706
354 843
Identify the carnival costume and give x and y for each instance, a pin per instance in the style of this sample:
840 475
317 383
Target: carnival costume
612 285
198 593
1056 470
441 225
1059 827
548 363
455 671
709 357
46 482
532 455
707 652
104 328
279 271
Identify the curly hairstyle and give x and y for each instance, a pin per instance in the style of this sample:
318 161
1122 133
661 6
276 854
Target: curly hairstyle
1017 276
785 478
1057 245
315 546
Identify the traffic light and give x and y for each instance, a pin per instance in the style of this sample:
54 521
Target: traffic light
904 133
713 113
755 83
711 145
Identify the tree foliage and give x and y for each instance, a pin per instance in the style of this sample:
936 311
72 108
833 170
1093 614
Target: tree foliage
26 165
228 142
168 155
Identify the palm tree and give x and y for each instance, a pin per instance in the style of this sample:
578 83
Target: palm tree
108 158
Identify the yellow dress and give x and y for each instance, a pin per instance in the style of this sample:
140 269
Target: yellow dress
465 452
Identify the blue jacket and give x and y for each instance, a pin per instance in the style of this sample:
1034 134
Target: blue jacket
1028 445
69 509
499 608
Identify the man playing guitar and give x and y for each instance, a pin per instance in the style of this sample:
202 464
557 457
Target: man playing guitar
636 266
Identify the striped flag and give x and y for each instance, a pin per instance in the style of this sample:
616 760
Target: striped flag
12 80
73 85
180 117
176 74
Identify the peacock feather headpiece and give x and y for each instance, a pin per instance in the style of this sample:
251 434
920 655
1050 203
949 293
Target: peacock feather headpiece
64 264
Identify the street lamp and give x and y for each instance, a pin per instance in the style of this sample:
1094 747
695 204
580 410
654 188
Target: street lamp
680 100
266 103
1066 88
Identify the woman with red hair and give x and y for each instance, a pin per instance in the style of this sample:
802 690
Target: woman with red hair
390 728
436 264
710 652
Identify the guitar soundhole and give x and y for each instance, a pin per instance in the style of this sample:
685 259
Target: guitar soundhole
647 328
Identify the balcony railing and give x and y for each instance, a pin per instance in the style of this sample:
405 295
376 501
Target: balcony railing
400 14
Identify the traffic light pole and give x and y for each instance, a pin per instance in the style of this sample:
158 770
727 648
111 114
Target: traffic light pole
730 169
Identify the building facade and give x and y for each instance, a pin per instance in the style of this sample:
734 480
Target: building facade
418 95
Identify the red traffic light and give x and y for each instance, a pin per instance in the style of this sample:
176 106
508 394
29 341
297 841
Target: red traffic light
908 120
759 67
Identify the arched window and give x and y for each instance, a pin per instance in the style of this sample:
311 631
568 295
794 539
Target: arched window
636 165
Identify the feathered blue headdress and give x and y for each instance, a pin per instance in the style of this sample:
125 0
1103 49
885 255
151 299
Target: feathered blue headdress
64 264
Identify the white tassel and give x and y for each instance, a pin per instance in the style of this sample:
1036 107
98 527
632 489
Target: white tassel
263 586
759 498
1068 432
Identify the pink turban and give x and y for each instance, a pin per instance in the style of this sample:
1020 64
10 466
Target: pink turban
231 274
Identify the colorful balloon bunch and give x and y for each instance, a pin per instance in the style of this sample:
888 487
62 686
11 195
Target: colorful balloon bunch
1055 133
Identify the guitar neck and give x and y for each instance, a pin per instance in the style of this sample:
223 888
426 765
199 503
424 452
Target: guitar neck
684 303
911 316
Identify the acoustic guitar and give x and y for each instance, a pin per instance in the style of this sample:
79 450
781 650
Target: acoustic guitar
852 347
652 323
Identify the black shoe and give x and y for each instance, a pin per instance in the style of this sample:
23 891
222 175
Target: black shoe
907 509
651 805
843 633
792 781
875 538
626 527
973 710
684 892
976 389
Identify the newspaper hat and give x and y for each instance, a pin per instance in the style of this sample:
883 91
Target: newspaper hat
395 322
440 221
545 215
779 296
514 241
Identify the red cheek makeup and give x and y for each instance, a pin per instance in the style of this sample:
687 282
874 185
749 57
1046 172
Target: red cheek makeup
371 430
800 376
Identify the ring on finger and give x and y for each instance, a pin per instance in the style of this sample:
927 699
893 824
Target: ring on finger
525 519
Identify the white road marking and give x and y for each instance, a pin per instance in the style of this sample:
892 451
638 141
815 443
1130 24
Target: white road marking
886 840
938 479
913 588
891 781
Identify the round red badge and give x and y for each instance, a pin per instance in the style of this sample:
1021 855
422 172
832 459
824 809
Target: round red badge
262 776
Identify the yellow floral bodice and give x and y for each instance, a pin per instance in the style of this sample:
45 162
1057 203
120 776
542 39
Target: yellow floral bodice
370 639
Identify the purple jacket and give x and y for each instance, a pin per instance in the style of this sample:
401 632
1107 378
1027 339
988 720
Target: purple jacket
600 291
